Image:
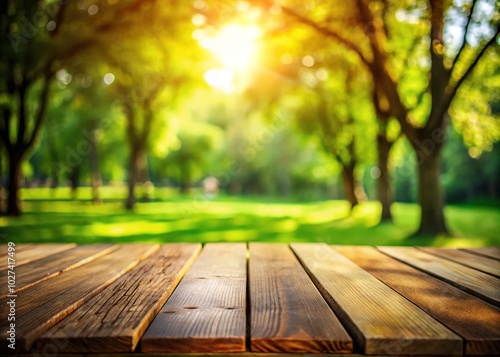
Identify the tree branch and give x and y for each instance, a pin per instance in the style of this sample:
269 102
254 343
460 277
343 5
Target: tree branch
451 91
40 114
22 119
474 63
327 32
466 31
5 129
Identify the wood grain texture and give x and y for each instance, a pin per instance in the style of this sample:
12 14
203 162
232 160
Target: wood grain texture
379 319
477 262
19 248
473 319
115 320
489 252
207 311
241 354
42 269
41 306
38 251
288 314
484 286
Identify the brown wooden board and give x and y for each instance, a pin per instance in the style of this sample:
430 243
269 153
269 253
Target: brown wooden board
38 251
207 311
42 269
4 248
241 354
288 314
484 286
115 320
379 319
41 306
489 252
477 262
473 319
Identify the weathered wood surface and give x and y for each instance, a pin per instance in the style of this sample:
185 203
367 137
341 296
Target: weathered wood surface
207 311
480 263
473 319
4 248
37 251
485 286
42 269
489 252
104 302
288 314
115 320
43 305
380 320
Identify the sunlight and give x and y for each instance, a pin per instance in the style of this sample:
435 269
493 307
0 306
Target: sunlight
235 46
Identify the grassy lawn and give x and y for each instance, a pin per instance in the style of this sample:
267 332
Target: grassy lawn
52 217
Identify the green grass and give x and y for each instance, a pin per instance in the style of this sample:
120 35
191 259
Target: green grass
52 217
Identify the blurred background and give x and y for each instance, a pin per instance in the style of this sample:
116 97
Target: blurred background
362 122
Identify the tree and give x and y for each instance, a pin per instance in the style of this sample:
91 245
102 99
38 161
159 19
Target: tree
152 79
374 22
343 119
38 39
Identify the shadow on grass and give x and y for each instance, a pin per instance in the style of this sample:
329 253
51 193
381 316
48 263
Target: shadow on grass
185 220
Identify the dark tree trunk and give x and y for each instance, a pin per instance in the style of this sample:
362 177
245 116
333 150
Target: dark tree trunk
133 177
95 174
74 179
143 174
349 183
13 183
2 194
185 179
431 197
384 191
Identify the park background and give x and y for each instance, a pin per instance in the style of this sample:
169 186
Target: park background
363 122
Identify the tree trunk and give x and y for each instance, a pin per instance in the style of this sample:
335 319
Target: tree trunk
143 175
2 194
13 184
384 191
431 197
349 183
95 174
133 177
185 179
74 179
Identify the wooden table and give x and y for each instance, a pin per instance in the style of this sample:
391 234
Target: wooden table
255 299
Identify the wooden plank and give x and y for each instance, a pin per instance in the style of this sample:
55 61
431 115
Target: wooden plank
43 305
207 311
379 319
4 248
473 319
116 319
42 269
477 262
38 251
241 354
288 314
489 252
475 282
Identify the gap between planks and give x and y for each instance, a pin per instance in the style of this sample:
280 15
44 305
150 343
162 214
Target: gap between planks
116 319
394 327
207 311
473 319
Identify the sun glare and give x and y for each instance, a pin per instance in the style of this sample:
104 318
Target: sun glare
235 46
